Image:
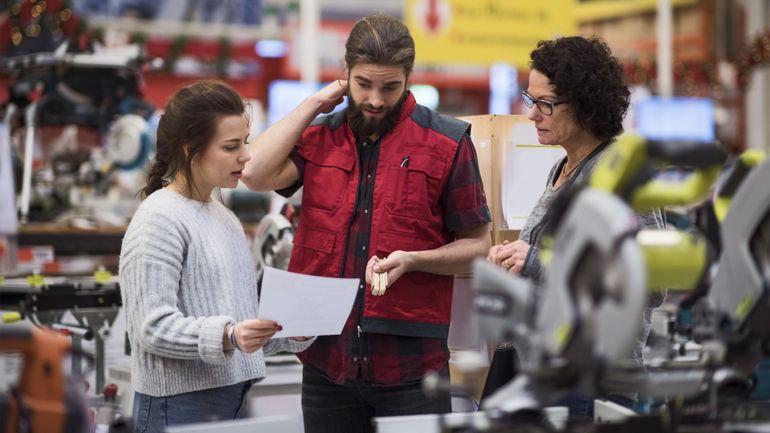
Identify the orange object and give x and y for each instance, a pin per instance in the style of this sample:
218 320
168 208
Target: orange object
44 400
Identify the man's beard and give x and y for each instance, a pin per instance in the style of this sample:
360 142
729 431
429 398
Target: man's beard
364 126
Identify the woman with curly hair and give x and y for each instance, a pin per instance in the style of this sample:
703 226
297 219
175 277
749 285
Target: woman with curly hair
577 100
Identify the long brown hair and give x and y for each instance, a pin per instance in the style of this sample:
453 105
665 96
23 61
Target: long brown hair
186 127
380 40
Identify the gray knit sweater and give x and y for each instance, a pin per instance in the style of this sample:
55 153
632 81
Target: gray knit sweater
185 272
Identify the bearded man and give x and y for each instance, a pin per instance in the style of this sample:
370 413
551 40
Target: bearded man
390 188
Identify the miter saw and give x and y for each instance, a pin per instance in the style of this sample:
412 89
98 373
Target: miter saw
588 314
576 330
731 316
564 346
740 292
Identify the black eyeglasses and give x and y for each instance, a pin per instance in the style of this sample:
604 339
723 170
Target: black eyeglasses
544 106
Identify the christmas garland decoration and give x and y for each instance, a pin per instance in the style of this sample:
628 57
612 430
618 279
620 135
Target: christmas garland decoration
174 52
691 78
30 19
223 56
182 44
138 38
756 53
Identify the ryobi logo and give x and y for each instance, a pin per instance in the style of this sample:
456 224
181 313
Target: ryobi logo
492 303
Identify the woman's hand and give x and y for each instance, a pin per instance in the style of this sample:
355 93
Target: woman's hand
515 262
497 254
509 255
252 334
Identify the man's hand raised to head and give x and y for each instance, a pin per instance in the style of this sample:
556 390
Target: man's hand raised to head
331 95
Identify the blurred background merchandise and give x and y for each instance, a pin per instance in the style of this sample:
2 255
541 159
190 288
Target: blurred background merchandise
83 82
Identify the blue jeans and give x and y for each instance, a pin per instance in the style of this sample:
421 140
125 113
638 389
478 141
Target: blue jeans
331 408
154 414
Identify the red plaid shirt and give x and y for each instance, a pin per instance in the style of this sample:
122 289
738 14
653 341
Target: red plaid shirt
385 359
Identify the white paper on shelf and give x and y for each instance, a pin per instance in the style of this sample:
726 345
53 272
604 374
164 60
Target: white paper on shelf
525 173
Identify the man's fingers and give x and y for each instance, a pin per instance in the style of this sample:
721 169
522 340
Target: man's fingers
370 269
382 265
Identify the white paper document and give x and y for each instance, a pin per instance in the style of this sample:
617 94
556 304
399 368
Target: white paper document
305 305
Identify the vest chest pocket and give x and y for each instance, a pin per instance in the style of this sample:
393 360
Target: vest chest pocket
326 179
417 186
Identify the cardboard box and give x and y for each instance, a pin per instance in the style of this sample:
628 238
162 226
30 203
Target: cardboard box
514 168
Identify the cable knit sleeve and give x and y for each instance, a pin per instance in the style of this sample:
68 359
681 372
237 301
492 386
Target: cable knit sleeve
276 345
152 259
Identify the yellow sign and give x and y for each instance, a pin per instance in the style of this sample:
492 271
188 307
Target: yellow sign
485 31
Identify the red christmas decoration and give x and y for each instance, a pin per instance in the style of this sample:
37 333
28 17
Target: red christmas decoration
755 53
32 19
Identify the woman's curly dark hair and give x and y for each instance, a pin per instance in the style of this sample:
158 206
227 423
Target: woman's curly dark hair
585 74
